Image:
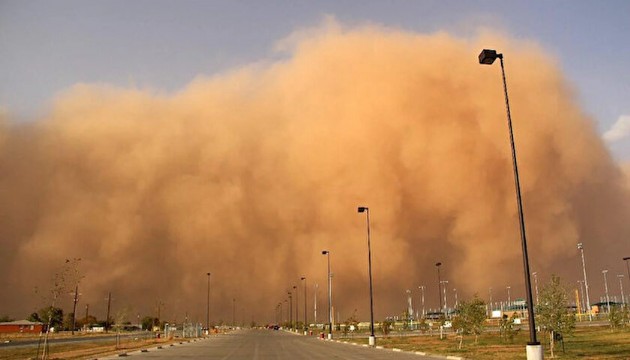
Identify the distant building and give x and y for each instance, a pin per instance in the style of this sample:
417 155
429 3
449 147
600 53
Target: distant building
21 326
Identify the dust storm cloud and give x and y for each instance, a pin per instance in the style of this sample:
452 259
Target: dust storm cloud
249 174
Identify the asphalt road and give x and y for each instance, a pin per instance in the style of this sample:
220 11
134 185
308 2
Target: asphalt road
269 344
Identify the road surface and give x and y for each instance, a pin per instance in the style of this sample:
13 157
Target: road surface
269 344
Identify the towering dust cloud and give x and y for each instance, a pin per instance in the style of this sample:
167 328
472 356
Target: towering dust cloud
251 173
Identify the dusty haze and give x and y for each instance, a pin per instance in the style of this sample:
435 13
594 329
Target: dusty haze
249 174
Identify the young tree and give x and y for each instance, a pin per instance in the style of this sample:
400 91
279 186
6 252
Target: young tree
507 329
618 317
60 282
53 316
471 318
552 311
386 326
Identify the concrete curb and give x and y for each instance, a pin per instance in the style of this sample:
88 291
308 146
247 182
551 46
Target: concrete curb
151 349
419 353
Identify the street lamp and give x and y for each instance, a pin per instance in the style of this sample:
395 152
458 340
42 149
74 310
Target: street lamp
208 306
297 301
444 283
606 286
421 287
627 268
623 297
490 301
534 349
581 282
372 339
580 246
327 253
305 317
290 309
438 264
509 297
455 291
234 312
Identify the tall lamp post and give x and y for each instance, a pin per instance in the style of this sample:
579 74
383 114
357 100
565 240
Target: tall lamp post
438 264
581 283
623 297
421 287
297 302
327 253
234 312
303 278
580 246
208 306
372 339
456 302
444 286
606 287
534 349
290 309
628 269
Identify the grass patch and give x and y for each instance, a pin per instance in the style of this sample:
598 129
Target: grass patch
83 350
585 343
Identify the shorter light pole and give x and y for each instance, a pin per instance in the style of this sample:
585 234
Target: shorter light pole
509 297
490 301
297 302
581 283
444 283
327 253
208 306
303 278
456 302
627 268
437 265
421 287
580 247
623 298
606 286
290 309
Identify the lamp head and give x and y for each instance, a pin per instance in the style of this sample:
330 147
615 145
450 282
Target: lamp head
487 56
325 252
362 209
208 274
303 278
438 264
626 258
580 246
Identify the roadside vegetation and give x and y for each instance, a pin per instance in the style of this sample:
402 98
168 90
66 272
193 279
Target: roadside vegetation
583 343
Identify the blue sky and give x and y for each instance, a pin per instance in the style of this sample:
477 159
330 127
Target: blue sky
47 46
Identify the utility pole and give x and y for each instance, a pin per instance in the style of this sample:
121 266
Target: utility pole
87 309
315 303
74 308
109 305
